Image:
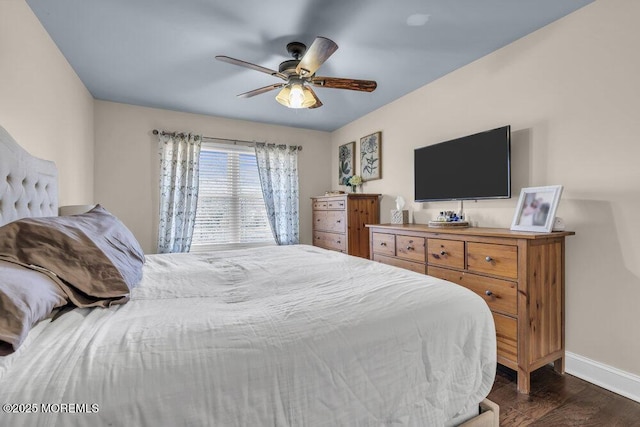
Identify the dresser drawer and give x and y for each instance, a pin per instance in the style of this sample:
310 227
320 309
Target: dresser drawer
336 204
446 253
333 241
410 247
384 244
396 262
506 337
319 205
319 220
498 260
336 221
500 295
329 221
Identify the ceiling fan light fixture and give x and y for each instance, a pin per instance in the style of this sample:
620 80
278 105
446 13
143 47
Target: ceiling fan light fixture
296 95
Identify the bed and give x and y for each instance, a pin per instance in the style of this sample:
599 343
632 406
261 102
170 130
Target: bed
271 336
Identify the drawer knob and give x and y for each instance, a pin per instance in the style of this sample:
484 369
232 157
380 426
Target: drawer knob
338 241
488 293
488 259
383 244
443 252
338 221
409 248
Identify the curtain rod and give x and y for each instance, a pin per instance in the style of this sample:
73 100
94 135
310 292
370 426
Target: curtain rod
223 140
230 141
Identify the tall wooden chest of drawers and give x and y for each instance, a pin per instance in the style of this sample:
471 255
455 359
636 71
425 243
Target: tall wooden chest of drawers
519 274
339 222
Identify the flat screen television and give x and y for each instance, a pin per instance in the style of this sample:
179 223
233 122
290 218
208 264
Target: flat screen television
469 168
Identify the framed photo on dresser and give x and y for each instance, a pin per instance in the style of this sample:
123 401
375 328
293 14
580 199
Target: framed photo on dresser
536 208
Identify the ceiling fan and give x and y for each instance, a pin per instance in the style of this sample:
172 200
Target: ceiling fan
299 75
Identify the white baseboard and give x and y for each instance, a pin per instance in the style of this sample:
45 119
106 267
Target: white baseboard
613 379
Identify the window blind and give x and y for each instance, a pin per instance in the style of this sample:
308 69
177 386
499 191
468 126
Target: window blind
231 210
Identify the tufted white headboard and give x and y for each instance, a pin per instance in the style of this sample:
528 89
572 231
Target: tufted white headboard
28 185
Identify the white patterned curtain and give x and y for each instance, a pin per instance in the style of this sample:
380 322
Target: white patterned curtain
179 175
278 170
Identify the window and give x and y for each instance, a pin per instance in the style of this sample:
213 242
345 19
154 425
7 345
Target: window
231 209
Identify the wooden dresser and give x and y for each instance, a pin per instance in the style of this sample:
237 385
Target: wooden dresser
519 274
339 222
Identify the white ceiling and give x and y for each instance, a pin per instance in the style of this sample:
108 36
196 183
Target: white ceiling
160 53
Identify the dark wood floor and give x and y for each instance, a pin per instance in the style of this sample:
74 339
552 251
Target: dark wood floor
560 400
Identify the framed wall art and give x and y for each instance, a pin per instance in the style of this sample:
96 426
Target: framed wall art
370 156
536 208
346 162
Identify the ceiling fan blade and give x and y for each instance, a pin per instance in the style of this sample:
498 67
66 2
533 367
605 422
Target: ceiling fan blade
246 64
318 103
321 49
338 83
261 90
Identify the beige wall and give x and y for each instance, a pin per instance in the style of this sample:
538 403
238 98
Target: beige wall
43 103
571 92
126 172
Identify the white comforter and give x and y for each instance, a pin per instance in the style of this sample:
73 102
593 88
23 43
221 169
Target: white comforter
277 336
